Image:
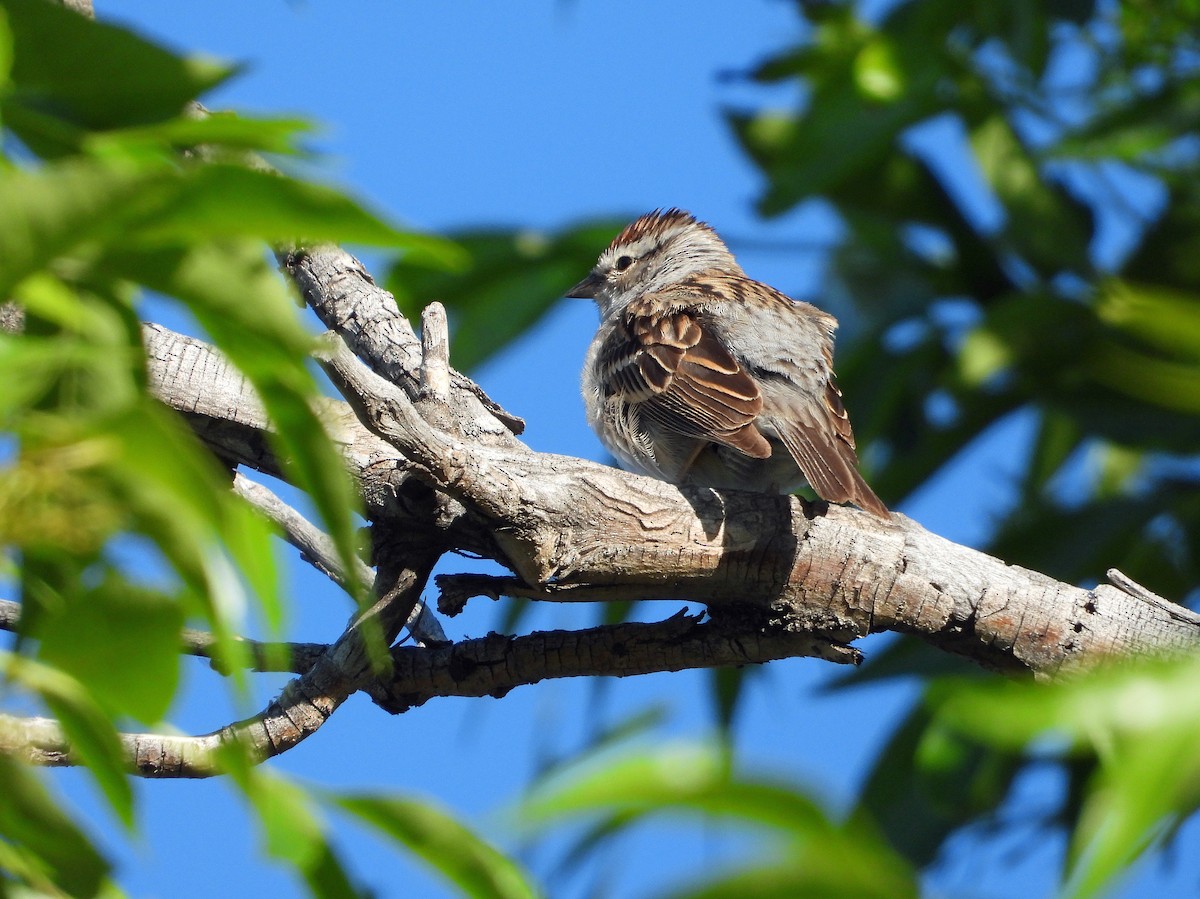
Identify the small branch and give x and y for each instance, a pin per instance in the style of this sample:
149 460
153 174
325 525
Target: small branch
294 657
83 7
265 657
12 317
317 548
489 666
453 465
10 615
388 411
348 301
495 664
305 704
1126 584
435 354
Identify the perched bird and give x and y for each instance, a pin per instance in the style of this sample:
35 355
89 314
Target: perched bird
701 375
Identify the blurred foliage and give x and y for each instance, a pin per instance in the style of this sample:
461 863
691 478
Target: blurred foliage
512 279
803 851
112 188
1135 728
1013 268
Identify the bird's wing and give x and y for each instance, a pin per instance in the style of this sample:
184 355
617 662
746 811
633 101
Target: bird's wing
818 436
683 378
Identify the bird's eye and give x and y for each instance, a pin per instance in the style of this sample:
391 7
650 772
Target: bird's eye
623 263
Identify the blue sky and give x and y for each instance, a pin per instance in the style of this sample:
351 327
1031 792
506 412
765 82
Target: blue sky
537 115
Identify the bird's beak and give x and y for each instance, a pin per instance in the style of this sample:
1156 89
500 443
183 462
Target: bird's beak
585 289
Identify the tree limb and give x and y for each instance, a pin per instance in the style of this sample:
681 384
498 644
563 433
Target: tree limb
560 521
831 570
781 577
488 666
264 657
317 548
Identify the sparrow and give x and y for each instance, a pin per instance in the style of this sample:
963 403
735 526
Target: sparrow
698 374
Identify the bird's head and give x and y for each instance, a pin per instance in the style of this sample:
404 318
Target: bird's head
653 252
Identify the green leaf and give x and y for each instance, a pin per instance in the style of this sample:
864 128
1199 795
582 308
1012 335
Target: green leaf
295 835
472 865
817 870
1169 251
1045 224
928 782
1078 12
841 137
95 74
1023 28
84 367
692 777
1166 319
248 537
1136 126
89 730
242 303
511 280
122 641
726 689
815 850
120 460
1146 377
224 129
1058 436
292 829
41 844
6 51
1118 530
891 410
51 211
876 71
182 501
1141 722
865 86
220 200
887 279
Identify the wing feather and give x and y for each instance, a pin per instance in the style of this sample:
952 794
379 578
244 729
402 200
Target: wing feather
684 379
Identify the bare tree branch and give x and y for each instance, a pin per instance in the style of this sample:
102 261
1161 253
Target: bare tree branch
435 354
10 615
347 300
455 589
488 666
828 569
305 704
317 548
196 380
560 523
265 657
440 469
294 657
493 665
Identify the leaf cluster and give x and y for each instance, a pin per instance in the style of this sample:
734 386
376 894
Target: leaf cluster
116 191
